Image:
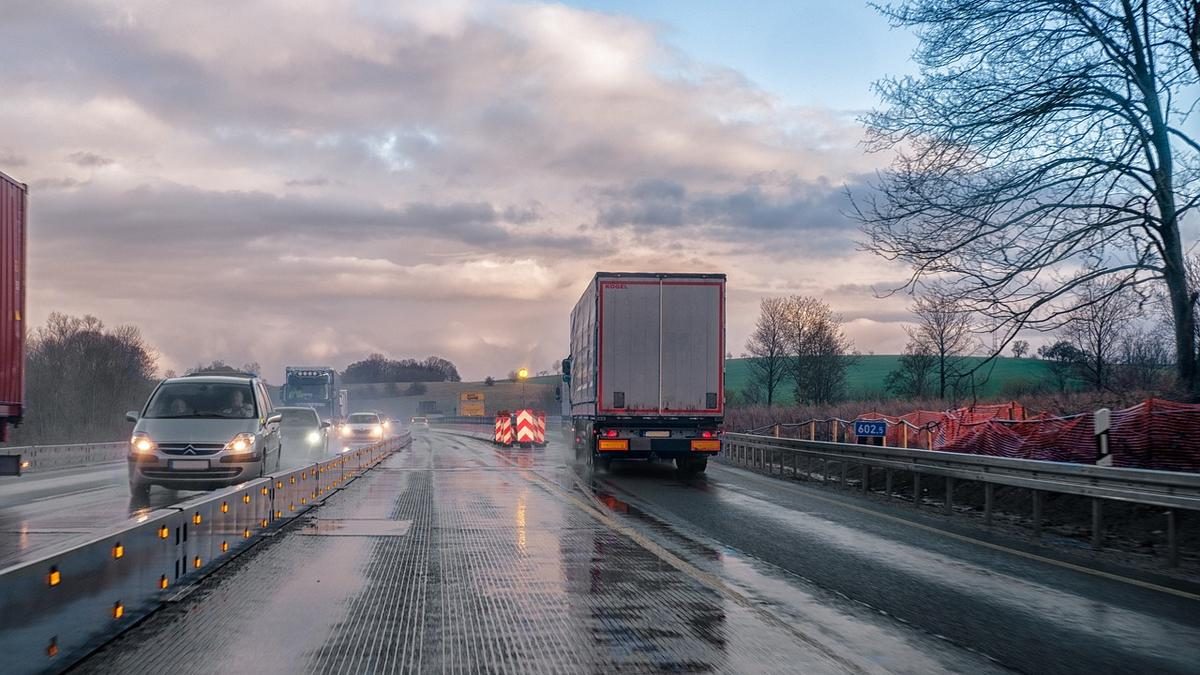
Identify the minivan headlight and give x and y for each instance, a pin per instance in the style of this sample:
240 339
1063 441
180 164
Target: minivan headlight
377 431
243 442
313 438
345 430
141 443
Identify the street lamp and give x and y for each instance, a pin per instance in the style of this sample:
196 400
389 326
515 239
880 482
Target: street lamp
522 375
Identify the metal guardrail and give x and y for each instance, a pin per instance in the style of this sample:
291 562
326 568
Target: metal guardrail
59 607
34 458
1168 489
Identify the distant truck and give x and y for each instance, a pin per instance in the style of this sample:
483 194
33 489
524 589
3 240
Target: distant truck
646 374
312 387
13 207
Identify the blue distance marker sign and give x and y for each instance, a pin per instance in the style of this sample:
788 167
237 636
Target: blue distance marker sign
870 428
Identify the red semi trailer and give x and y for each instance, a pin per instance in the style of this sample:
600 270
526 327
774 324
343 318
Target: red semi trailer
13 203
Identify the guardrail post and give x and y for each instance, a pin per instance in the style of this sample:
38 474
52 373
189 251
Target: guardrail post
1037 513
989 494
776 430
1172 540
1097 524
916 489
812 430
904 435
949 506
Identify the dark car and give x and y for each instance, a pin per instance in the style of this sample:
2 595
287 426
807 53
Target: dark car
303 433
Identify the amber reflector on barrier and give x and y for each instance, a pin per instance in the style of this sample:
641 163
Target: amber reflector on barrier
264 522
52 648
245 499
163 532
246 533
224 507
264 490
196 563
196 518
162 581
118 610
55 577
118 551
224 547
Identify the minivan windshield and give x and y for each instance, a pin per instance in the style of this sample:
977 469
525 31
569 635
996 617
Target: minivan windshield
299 418
364 418
214 400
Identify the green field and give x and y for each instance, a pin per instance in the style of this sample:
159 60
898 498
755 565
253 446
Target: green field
865 378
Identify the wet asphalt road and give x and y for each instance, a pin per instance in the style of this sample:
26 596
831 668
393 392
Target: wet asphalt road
42 511
455 556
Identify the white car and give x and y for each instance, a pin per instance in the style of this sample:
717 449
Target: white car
202 432
361 429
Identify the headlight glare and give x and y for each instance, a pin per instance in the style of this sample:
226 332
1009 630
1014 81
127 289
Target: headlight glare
314 438
243 442
142 443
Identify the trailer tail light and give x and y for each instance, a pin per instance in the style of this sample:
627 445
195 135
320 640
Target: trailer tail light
610 433
706 446
607 445
708 434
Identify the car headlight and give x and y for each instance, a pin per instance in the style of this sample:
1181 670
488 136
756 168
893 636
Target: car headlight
141 443
345 430
377 432
314 438
243 442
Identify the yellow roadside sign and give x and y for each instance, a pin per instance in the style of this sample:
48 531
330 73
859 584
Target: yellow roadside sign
471 396
471 409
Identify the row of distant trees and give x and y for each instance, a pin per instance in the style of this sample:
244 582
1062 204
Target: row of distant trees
377 368
81 376
1113 338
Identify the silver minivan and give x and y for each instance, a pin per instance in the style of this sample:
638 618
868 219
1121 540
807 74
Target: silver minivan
202 432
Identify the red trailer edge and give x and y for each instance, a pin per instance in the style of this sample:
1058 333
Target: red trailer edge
13 213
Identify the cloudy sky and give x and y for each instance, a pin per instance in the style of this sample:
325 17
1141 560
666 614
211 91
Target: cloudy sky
310 182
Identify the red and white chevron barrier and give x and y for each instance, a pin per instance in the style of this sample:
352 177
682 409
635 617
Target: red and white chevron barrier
503 434
526 427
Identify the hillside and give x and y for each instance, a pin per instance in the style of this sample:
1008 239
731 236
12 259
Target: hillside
865 378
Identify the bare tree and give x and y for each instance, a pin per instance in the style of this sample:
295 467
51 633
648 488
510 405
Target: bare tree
1103 316
1145 357
1020 348
914 377
768 347
819 352
944 330
1044 144
81 377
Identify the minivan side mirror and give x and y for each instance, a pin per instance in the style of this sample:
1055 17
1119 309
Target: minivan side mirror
325 425
275 418
131 416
